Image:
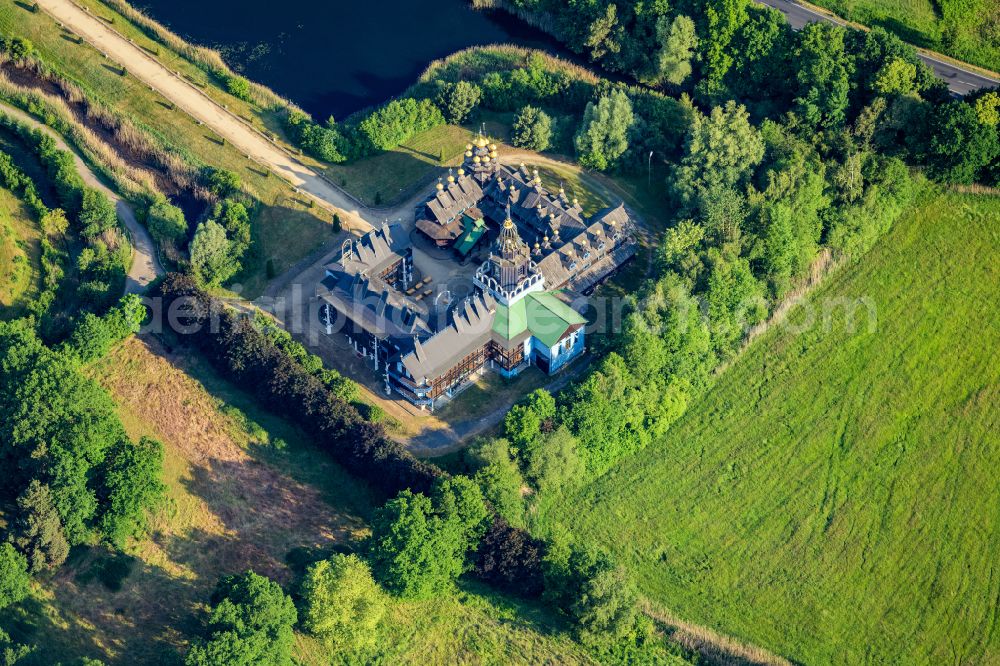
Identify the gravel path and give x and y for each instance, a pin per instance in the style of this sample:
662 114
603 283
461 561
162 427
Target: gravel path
145 265
206 110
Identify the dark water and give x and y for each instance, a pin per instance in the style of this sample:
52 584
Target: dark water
335 57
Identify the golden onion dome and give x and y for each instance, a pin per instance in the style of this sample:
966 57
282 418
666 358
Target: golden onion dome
486 159
493 154
493 146
461 172
576 202
468 146
440 186
468 153
537 245
508 223
476 159
545 238
451 179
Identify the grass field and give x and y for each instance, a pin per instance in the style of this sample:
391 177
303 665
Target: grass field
835 496
294 229
19 255
389 178
245 490
965 29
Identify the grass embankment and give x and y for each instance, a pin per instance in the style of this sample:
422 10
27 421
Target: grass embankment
965 29
20 252
835 497
291 229
245 490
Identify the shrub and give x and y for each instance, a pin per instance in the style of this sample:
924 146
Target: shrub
250 623
97 213
130 488
14 578
166 222
341 603
239 87
397 121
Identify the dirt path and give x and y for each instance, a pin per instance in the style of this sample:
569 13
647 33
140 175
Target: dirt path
145 265
205 110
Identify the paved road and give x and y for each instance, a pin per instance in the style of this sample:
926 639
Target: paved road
145 264
960 81
205 110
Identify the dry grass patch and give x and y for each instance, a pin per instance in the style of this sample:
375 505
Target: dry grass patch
236 500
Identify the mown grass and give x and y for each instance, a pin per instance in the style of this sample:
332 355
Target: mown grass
103 81
20 252
389 178
835 496
965 29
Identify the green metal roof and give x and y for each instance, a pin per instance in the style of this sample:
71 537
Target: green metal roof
474 230
542 314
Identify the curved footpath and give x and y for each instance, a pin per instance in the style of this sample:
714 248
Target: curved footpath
204 109
145 265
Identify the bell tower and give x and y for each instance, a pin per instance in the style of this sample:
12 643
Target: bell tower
509 273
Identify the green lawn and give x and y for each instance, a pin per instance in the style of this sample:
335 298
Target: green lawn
965 29
389 178
20 251
835 496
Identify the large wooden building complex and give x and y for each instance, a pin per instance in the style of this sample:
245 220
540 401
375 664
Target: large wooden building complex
542 251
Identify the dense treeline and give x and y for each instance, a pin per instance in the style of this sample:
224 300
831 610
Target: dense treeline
245 354
825 76
71 475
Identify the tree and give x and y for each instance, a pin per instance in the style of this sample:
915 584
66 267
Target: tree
413 552
341 603
595 592
722 18
38 531
823 75
97 213
212 258
459 501
603 136
722 150
510 559
553 462
735 300
988 109
604 34
678 43
235 219
896 77
250 625
500 480
166 222
532 129
238 87
457 100
130 487
529 418
14 578
960 144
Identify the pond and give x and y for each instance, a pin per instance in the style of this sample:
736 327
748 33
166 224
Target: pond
335 57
